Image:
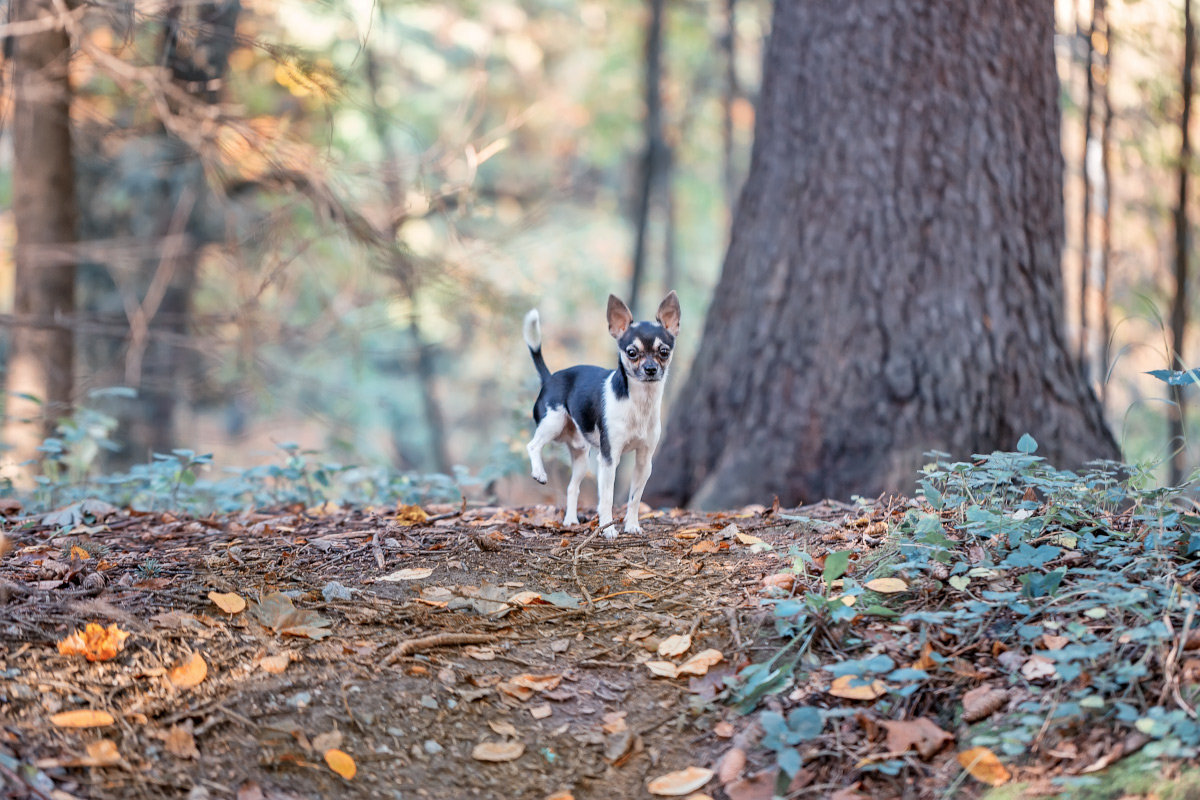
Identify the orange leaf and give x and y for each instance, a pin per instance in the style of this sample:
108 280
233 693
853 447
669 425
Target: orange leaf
677 784
706 546
844 686
102 753
83 718
410 515
982 765
341 763
229 602
540 683
921 734
78 552
275 664
95 642
699 663
190 673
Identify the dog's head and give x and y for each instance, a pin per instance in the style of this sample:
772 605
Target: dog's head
645 348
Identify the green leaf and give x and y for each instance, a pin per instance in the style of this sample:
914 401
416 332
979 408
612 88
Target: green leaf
1027 444
959 582
836 565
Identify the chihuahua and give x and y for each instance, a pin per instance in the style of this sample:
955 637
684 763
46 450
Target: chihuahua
612 410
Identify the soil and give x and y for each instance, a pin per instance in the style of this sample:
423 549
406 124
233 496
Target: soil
409 676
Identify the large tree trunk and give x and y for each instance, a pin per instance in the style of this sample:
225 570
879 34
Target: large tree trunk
1176 428
893 282
41 348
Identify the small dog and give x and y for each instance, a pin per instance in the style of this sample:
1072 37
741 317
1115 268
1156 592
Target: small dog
612 410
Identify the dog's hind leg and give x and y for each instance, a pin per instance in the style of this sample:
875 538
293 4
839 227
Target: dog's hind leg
547 431
578 470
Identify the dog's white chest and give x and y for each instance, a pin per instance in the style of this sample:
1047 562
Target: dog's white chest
634 420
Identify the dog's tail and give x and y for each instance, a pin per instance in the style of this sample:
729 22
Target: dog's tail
533 338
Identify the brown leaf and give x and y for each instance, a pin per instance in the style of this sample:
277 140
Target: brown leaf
700 663
275 664
498 751
780 580
229 602
329 740
410 515
921 734
706 546
190 673
887 585
675 645
1051 642
277 612
180 742
341 763
539 683
662 669
95 642
82 718
723 729
982 765
677 784
102 753
983 701
731 766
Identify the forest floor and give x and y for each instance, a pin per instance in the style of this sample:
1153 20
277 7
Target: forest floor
438 653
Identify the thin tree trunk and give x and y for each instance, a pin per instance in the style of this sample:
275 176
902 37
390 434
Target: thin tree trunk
1179 315
423 359
652 157
729 95
894 283
1085 231
1106 214
41 360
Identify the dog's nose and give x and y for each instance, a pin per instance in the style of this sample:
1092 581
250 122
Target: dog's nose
651 370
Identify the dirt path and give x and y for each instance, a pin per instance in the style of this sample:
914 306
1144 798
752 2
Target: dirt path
497 628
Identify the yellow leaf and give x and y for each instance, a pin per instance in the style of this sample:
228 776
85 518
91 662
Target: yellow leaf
498 751
843 687
229 602
982 765
848 599
78 552
677 784
341 763
675 645
699 663
190 673
83 718
410 515
887 585
95 642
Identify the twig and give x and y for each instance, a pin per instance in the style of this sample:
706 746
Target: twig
731 617
627 591
437 640
575 569
377 550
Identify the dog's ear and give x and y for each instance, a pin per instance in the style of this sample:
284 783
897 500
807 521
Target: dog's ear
668 313
619 316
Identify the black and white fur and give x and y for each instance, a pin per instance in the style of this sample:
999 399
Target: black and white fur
614 411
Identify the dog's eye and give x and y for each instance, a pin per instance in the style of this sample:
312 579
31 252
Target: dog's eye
663 352
632 352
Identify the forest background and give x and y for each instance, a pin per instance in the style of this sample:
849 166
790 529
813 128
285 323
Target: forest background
343 265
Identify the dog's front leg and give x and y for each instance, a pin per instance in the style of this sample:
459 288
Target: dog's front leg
606 477
641 474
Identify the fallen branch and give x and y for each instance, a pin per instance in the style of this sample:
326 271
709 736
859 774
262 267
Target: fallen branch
437 640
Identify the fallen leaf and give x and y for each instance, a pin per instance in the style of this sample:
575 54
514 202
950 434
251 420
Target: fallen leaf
95 642
504 728
329 740
746 538
663 669
409 574
780 580
642 574
921 734
1037 667
179 742
723 729
82 718
982 701
614 722
83 555
277 612
539 683
843 687
341 763
1051 642
102 753
982 765
541 712
527 599
410 515
706 546
887 585
700 663
190 673
677 784
229 602
515 690
497 751
675 645
731 766
275 664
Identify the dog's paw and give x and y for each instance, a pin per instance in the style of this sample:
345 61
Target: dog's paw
631 526
610 532
539 476
571 520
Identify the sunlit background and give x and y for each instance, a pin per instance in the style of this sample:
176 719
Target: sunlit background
500 145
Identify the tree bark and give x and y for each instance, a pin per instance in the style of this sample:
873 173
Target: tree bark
653 157
1179 306
40 359
1085 231
893 284
1106 213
